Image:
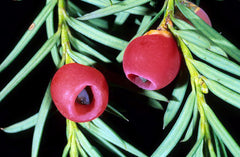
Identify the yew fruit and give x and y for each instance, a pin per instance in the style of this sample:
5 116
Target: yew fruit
152 61
79 92
197 10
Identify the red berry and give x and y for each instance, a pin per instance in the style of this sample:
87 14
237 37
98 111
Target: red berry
197 10
203 15
152 61
79 92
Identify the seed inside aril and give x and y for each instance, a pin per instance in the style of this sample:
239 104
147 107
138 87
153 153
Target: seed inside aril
143 79
139 80
77 94
152 61
85 96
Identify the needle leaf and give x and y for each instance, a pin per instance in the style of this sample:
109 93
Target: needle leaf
33 62
22 125
218 76
177 98
82 47
209 32
221 132
215 59
223 93
32 30
96 34
42 115
112 9
178 129
50 33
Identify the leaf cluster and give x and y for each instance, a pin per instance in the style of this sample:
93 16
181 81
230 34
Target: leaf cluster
66 47
210 61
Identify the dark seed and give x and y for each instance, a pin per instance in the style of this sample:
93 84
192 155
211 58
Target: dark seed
143 79
83 98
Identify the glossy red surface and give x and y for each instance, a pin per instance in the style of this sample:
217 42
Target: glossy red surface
152 61
69 81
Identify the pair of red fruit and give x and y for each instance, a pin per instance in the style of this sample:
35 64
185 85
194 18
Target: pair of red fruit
151 61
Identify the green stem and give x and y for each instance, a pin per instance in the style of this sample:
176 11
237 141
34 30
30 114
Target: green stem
188 58
204 122
61 12
71 127
196 83
66 44
166 19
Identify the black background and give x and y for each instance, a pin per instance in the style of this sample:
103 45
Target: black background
143 130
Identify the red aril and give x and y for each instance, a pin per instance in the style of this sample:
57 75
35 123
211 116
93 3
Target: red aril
152 61
79 92
197 10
